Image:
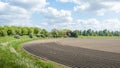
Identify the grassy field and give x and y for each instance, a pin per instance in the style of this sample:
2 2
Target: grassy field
12 56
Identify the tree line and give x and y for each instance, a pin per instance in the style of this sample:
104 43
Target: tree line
35 31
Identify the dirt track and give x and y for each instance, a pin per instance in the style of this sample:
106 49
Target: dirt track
71 52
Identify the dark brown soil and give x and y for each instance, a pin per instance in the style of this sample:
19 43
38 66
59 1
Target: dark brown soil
74 56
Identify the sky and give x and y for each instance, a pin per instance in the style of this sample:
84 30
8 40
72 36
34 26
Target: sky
62 14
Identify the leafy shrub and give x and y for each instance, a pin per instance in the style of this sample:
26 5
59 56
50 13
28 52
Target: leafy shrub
65 36
43 36
3 33
30 35
74 34
17 36
38 35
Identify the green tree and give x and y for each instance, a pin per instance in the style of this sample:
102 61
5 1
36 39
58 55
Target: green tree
89 32
84 33
64 33
75 33
55 33
105 32
36 30
3 33
80 33
30 31
18 31
44 33
9 30
24 31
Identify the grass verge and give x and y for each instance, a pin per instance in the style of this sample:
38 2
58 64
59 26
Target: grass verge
12 56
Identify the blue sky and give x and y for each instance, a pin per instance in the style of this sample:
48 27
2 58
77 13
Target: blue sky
62 14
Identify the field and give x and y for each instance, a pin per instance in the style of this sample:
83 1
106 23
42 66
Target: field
83 53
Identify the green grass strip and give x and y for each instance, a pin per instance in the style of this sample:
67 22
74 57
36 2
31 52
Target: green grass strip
12 56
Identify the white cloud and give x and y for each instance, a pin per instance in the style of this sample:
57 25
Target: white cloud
55 18
82 7
28 4
73 1
53 15
88 24
11 14
63 0
84 24
18 12
101 12
100 7
112 6
110 24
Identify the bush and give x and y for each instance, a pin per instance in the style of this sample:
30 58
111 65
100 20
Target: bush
75 35
65 36
38 35
17 36
3 33
43 36
30 35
